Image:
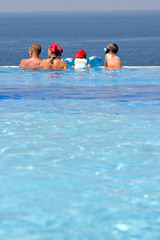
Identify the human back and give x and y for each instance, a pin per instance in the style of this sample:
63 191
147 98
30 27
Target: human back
111 59
33 61
80 61
53 62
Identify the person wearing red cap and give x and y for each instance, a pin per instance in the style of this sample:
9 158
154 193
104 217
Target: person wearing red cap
53 62
33 61
80 61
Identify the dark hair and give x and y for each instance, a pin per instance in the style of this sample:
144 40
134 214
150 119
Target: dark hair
52 60
113 47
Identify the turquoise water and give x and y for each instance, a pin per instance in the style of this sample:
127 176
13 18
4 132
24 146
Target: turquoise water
80 154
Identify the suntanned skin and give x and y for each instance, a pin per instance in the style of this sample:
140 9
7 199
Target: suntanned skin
33 61
112 60
56 65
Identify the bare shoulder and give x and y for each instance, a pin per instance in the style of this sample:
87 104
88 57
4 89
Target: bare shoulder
118 60
112 59
106 60
60 64
45 63
23 63
65 66
30 63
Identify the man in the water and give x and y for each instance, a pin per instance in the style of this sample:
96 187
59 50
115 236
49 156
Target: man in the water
33 61
111 60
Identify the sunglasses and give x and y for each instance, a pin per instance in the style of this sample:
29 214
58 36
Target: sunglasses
106 50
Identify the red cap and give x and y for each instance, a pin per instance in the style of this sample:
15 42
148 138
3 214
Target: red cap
56 49
81 54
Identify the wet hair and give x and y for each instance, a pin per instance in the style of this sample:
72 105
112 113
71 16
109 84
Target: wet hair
53 56
52 60
36 48
112 47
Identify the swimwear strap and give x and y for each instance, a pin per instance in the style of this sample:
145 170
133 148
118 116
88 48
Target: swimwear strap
114 66
52 60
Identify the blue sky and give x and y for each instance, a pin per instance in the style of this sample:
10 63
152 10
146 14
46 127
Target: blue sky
80 5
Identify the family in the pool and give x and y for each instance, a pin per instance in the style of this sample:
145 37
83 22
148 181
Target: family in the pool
112 61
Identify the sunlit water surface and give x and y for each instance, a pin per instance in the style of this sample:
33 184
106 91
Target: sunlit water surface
80 154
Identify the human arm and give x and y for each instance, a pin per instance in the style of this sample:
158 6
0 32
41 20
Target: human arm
65 65
105 61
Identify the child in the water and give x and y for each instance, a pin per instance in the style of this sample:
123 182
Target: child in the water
80 61
111 60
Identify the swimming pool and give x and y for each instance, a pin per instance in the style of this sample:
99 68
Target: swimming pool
80 154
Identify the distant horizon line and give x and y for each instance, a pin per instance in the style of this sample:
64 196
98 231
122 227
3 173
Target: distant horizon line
80 11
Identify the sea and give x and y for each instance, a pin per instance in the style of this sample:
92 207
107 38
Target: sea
80 149
136 33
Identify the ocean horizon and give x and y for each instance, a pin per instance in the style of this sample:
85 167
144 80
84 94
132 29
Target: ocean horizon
137 34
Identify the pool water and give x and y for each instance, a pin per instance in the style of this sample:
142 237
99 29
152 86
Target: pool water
80 154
